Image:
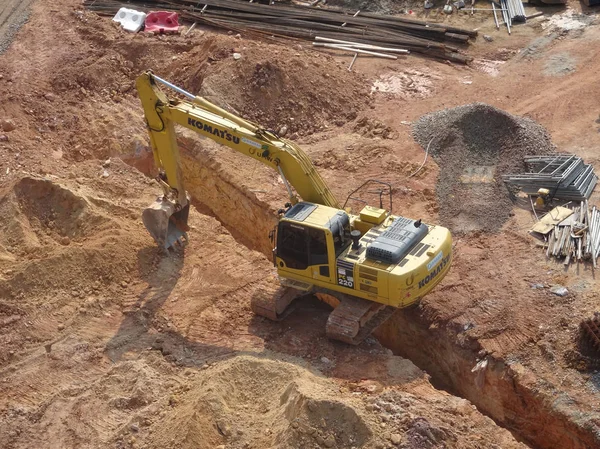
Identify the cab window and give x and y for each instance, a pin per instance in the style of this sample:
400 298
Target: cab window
301 246
292 245
318 246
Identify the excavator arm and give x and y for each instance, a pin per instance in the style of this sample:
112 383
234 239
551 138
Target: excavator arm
167 220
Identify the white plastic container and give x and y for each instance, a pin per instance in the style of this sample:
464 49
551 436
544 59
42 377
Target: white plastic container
130 19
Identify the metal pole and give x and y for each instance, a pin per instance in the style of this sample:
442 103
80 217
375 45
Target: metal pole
352 63
374 47
174 87
480 9
190 29
355 50
495 16
505 16
357 44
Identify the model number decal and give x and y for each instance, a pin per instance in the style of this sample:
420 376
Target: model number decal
434 261
345 277
251 142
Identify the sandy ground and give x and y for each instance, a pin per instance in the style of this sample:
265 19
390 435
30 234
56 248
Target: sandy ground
105 342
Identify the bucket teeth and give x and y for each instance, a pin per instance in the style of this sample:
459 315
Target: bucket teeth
166 223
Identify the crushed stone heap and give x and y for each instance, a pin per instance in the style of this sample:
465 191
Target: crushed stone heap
474 145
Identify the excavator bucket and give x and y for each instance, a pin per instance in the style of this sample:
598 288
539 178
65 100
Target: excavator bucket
165 224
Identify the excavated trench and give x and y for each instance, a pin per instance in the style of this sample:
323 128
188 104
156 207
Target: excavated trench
507 393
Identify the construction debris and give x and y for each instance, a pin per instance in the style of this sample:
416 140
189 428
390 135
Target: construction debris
564 175
559 290
305 22
551 219
570 234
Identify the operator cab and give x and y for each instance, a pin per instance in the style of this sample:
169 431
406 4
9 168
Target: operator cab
306 234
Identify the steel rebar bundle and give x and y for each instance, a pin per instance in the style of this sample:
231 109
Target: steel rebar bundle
302 22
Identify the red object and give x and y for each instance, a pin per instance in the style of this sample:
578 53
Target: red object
162 22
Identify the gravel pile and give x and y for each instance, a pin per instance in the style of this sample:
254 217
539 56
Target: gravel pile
474 145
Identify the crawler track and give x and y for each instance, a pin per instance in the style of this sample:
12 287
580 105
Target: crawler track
352 320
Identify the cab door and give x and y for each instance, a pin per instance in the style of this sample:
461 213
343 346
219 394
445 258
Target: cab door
319 255
303 250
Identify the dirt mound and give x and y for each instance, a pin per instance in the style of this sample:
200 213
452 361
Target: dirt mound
63 247
40 212
474 145
289 405
288 90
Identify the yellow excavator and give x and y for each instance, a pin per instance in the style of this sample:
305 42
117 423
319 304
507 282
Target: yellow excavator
366 266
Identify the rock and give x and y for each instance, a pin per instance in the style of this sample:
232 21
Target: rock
537 286
3 138
238 36
283 131
61 327
448 9
106 163
396 438
488 38
7 125
329 441
134 427
559 290
237 56
325 360
124 284
50 97
105 174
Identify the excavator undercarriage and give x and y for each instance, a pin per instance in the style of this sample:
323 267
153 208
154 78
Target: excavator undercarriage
351 321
